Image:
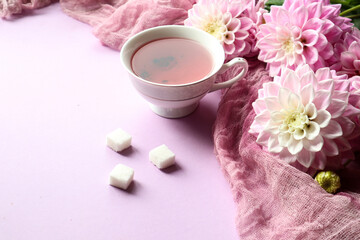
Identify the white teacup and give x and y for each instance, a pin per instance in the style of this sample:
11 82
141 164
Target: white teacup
174 101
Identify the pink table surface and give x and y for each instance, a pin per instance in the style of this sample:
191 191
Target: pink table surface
61 92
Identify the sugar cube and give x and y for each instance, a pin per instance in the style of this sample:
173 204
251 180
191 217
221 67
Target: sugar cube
118 140
162 157
121 176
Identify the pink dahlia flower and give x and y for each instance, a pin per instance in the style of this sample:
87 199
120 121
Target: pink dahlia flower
300 32
223 20
348 51
304 116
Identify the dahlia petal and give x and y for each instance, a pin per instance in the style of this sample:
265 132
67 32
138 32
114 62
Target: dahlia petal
273 145
323 118
299 16
311 111
291 59
241 35
347 125
270 56
351 111
227 18
314 10
271 89
263 138
282 16
292 82
293 101
322 99
336 108
307 94
327 52
311 54
229 38
233 25
320 160
259 105
356 64
342 85
188 22
332 130
280 55
284 139
308 78
295 5
354 98
277 117
347 59
235 10
272 104
321 43
246 23
341 95
334 34
330 148
229 48
310 36
282 33
299 48
272 128
313 145
267 17
274 69
303 69
295 146
255 128
286 156
313 23
327 26
240 46
312 130
342 144
327 85
283 97
299 134
305 158
355 48
296 32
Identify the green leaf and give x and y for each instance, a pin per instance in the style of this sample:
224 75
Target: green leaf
345 3
356 22
269 3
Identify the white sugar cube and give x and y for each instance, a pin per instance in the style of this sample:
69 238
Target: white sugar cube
162 157
121 176
118 140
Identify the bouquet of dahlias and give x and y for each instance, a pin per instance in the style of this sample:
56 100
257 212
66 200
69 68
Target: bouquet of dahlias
308 115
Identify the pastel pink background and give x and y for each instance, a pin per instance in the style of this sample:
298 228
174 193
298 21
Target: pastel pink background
61 92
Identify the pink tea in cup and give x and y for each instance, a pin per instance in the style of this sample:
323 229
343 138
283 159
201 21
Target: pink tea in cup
172 61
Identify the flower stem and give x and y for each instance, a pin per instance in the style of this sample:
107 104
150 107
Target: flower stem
350 10
353 16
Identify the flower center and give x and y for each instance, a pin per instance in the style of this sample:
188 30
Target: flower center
295 121
289 45
215 28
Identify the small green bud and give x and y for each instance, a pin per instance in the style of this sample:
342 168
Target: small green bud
328 180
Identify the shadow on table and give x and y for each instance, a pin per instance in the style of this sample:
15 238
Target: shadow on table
200 122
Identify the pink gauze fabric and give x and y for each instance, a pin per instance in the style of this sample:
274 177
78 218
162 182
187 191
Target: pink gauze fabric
113 21
12 7
274 200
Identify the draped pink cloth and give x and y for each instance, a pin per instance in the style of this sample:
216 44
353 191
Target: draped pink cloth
113 21
274 200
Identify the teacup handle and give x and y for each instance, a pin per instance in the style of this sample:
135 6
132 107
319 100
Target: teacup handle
242 62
